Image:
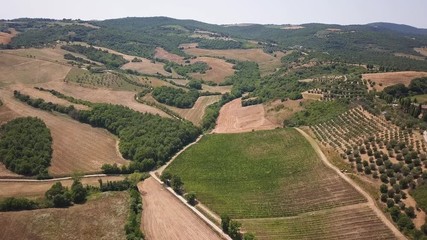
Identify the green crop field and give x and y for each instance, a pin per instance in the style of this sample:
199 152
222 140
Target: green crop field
261 174
331 224
421 98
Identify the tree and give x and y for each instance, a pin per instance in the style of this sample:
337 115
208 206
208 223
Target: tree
410 211
177 184
404 222
249 236
225 223
58 195
78 192
191 198
383 188
234 230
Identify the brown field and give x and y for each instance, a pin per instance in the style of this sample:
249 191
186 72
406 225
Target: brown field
219 72
147 67
267 62
38 188
391 78
350 222
48 97
5 38
165 217
312 96
278 111
188 45
422 51
104 218
76 146
163 54
102 95
196 113
17 69
52 54
5 173
233 118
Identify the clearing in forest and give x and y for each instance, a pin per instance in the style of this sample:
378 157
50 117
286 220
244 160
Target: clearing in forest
267 63
163 54
233 118
383 80
107 215
5 37
218 72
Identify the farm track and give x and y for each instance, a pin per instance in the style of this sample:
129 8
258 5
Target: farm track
371 201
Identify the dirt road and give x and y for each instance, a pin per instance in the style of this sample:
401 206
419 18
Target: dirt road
165 217
371 201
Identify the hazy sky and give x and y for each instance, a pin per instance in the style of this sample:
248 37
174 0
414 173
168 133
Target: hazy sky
411 12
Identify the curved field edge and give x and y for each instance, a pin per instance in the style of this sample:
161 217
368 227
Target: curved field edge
261 174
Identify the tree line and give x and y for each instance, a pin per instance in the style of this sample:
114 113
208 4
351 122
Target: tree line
26 146
175 96
103 56
149 140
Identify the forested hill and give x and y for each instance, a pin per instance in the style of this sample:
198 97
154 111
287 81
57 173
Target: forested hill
140 36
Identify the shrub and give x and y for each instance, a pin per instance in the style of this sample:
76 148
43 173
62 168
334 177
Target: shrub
191 198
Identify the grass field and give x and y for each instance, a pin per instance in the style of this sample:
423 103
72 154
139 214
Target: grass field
420 196
357 222
421 98
104 218
261 174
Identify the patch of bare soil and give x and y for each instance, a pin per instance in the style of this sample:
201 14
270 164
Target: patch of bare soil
5 38
267 63
101 218
165 217
383 80
147 66
38 188
233 118
278 111
422 51
163 54
220 69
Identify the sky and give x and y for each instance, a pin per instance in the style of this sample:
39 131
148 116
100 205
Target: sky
410 12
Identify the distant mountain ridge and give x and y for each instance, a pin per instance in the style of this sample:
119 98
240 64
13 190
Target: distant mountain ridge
402 28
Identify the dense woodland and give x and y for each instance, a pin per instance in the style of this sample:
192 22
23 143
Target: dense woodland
185 70
175 96
358 44
26 146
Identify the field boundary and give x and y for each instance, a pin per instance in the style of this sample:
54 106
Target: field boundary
371 201
208 222
51 179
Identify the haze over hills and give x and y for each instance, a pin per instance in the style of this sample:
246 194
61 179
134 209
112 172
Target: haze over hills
212 131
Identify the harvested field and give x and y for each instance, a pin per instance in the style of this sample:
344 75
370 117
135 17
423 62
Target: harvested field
261 174
51 54
76 146
267 62
5 38
312 96
219 72
391 78
196 113
48 97
17 69
233 118
5 173
415 57
278 111
38 188
104 218
103 95
147 67
163 54
422 51
165 217
353 222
